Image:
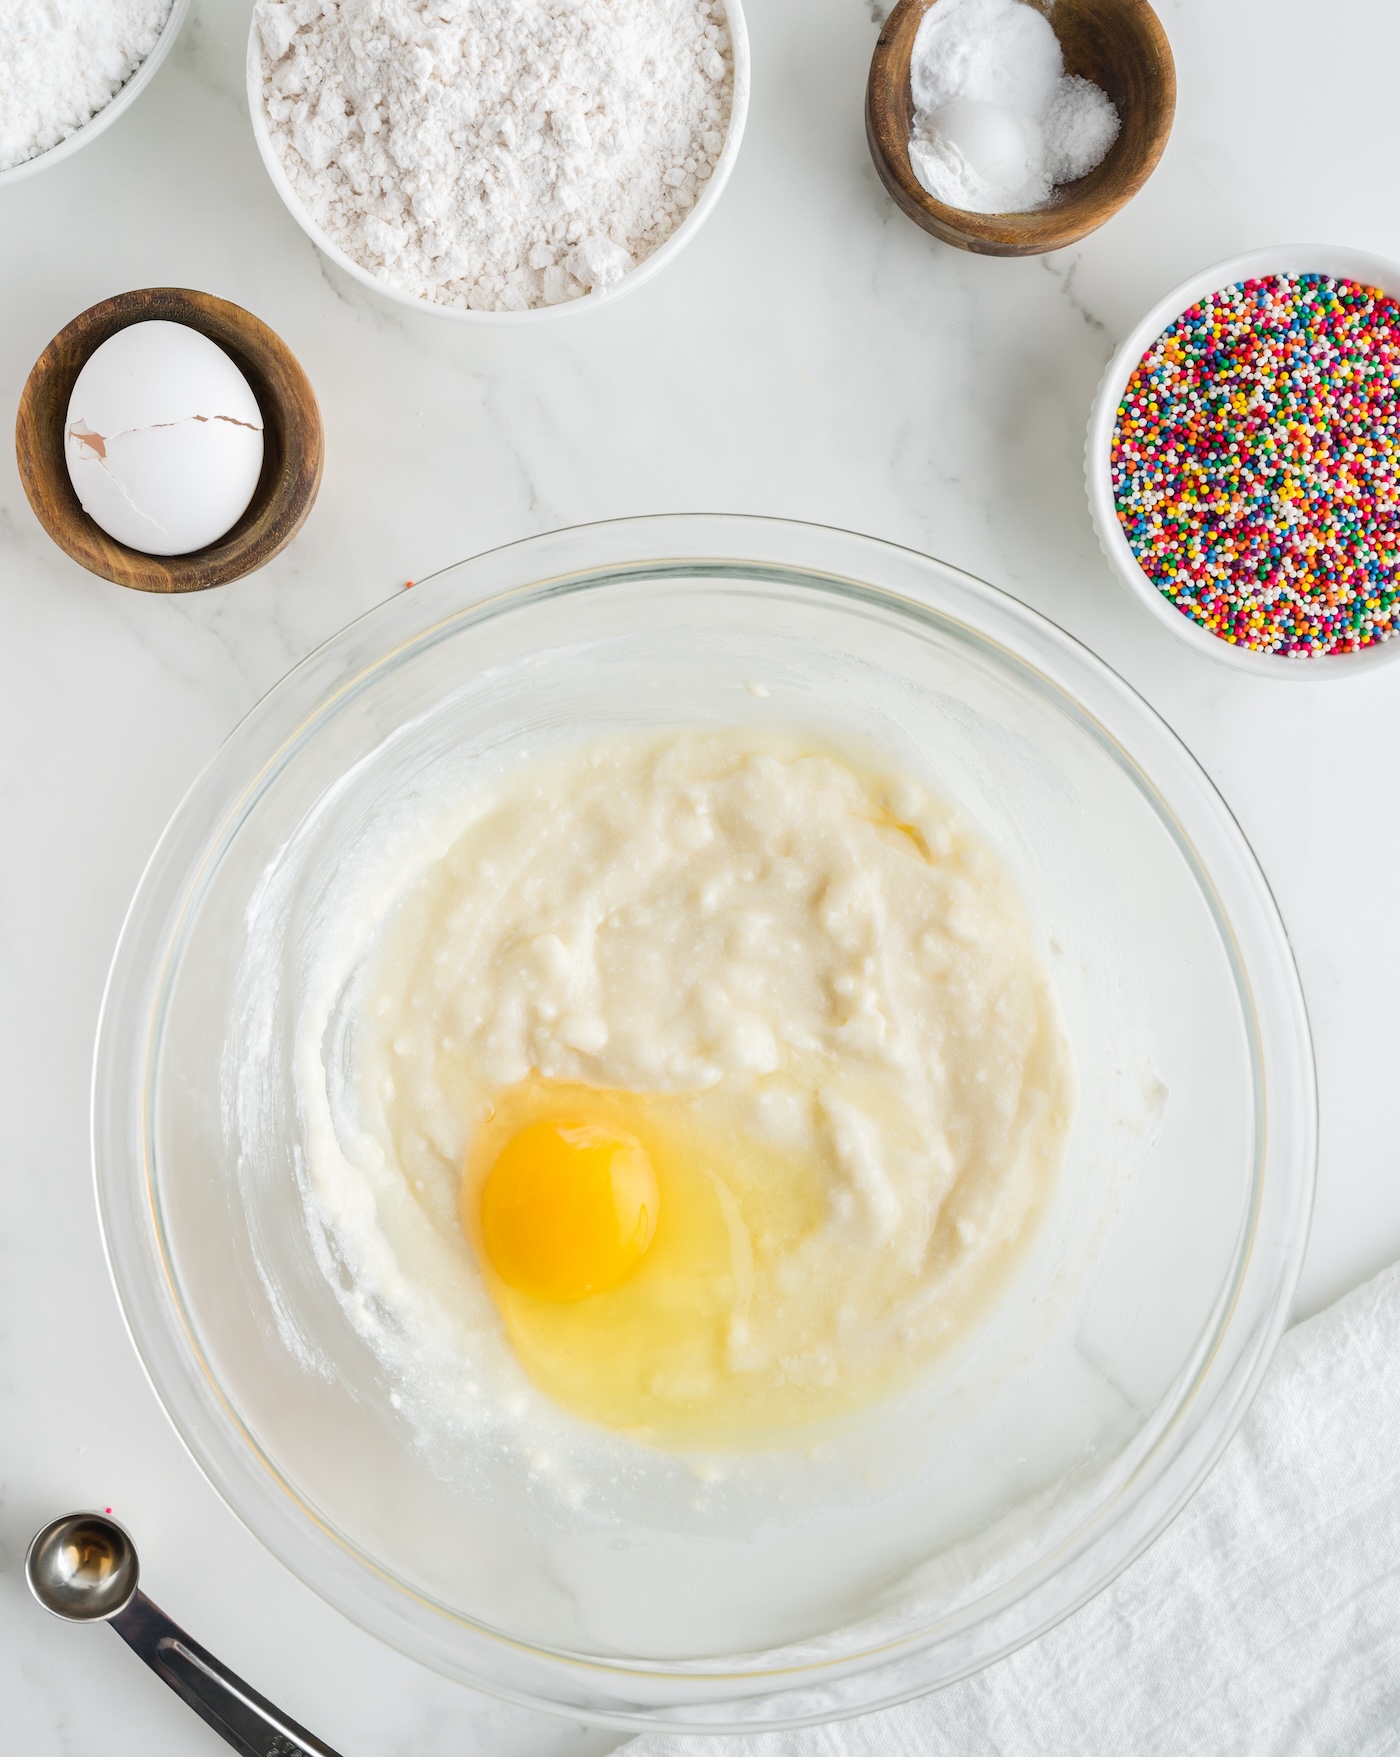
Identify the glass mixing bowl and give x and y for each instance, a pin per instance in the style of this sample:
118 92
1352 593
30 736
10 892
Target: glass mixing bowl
1047 1447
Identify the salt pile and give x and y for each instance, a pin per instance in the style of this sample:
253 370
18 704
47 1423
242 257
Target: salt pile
998 123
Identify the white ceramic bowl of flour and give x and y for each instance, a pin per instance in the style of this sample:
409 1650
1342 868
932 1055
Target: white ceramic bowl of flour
108 114
666 252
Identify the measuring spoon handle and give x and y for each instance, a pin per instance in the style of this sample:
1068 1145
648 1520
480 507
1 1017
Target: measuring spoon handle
234 1709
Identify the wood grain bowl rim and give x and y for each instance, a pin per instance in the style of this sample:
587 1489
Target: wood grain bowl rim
1095 198
293 442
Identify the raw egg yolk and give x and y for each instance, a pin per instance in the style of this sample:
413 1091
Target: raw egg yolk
569 1208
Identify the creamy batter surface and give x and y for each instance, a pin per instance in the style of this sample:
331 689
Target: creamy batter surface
802 987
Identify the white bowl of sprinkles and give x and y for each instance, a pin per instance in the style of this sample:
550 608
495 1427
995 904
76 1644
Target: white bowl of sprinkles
100 119
728 14
1340 263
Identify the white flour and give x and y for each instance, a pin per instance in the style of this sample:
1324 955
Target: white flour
61 61
497 154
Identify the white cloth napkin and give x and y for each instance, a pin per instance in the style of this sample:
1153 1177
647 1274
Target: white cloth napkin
1265 1621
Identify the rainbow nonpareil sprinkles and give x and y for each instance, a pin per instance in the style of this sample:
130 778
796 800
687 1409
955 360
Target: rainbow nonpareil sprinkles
1256 464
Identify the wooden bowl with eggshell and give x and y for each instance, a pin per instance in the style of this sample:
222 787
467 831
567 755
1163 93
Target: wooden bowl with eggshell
293 443
1117 44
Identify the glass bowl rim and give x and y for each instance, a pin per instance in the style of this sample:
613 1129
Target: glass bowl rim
714 546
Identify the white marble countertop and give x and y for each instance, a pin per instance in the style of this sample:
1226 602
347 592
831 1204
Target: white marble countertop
812 355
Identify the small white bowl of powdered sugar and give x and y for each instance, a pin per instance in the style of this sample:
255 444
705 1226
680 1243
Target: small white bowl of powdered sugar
69 68
499 160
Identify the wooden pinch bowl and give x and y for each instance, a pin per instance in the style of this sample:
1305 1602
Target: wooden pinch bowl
293 443
1118 44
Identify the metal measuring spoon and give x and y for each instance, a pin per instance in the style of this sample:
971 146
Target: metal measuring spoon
83 1567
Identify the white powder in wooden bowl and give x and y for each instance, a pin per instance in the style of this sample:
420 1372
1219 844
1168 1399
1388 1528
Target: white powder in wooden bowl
497 155
998 123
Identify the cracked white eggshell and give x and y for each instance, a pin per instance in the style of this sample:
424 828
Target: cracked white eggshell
164 439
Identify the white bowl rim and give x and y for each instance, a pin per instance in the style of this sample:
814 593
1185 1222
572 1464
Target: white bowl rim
1341 260
653 264
108 114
